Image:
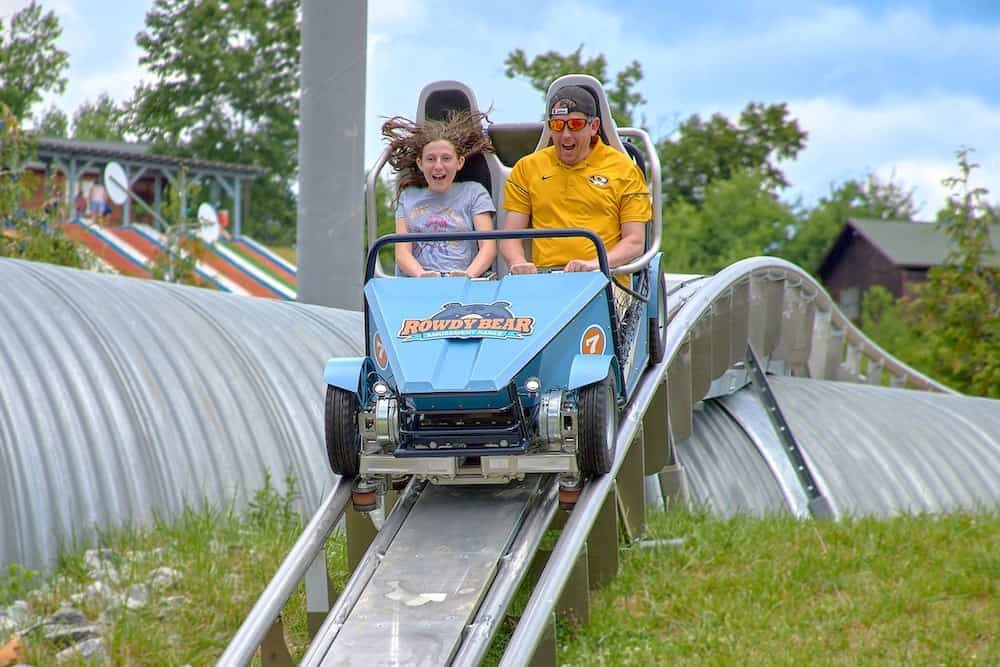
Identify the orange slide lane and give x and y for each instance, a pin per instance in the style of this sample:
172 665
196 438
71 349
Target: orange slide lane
137 241
112 257
209 258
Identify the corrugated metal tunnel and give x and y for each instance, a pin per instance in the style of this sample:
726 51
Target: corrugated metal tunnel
121 398
874 450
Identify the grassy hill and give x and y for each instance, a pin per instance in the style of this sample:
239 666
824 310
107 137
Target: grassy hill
913 590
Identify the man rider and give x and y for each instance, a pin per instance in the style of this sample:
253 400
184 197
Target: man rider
578 181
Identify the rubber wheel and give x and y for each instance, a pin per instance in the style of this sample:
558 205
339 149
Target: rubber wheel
598 425
658 328
343 442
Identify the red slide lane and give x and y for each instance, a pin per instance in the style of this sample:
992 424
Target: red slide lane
210 258
109 255
146 247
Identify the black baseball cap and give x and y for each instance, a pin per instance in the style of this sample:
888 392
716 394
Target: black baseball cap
573 98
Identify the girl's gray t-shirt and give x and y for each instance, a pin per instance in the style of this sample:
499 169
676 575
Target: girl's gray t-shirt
425 211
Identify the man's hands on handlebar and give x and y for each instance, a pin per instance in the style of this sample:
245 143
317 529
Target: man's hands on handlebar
574 266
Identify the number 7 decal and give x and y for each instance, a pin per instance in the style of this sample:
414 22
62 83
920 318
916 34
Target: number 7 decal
593 340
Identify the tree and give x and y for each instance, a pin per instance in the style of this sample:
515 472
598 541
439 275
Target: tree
705 152
27 234
872 199
547 67
949 326
52 123
30 62
957 310
101 120
226 88
738 218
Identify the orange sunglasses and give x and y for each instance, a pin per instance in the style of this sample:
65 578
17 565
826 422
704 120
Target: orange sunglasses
575 124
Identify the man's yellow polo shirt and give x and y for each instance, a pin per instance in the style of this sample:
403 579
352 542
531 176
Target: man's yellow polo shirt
599 193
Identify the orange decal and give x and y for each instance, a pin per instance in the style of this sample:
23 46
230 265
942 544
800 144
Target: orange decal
381 356
593 340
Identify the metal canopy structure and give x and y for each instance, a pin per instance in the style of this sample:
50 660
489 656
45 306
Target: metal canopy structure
76 158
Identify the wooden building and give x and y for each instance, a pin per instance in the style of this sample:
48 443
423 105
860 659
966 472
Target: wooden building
893 254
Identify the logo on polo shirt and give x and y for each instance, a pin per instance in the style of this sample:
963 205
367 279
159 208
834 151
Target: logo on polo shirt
598 180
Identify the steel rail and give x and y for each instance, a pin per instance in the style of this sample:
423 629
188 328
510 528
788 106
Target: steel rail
361 576
544 598
270 603
514 567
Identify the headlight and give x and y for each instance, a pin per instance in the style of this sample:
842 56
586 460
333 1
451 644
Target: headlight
532 385
380 388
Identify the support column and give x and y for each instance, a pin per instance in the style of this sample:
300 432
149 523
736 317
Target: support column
331 153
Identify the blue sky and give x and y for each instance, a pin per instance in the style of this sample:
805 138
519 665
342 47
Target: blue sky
886 87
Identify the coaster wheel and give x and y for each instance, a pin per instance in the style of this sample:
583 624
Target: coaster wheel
658 327
343 442
597 413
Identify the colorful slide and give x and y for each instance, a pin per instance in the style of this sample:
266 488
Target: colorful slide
240 266
117 253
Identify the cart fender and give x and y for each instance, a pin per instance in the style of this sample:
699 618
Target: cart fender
655 285
344 373
589 368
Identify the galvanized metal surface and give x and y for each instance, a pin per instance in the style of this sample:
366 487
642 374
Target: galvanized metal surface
882 451
432 578
121 398
873 450
726 472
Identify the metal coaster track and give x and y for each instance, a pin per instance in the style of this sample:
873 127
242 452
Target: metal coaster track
764 304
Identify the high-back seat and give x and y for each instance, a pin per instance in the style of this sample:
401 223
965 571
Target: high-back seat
436 100
608 131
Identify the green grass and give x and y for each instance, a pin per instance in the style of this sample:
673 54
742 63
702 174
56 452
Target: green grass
913 590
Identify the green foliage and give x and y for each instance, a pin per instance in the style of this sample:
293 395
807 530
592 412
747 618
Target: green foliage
949 326
957 311
543 69
386 217
226 84
872 199
53 123
883 321
911 590
32 239
738 218
17 582
269 510
706 152
30 61
101 120
15 148
29 235
183 250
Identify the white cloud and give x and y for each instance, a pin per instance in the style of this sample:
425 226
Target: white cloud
395 11
912 140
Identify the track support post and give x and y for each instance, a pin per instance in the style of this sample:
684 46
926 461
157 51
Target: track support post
631 488
545 652
273 650
602 543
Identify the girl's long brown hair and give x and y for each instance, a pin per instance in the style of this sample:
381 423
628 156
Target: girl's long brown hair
462 129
